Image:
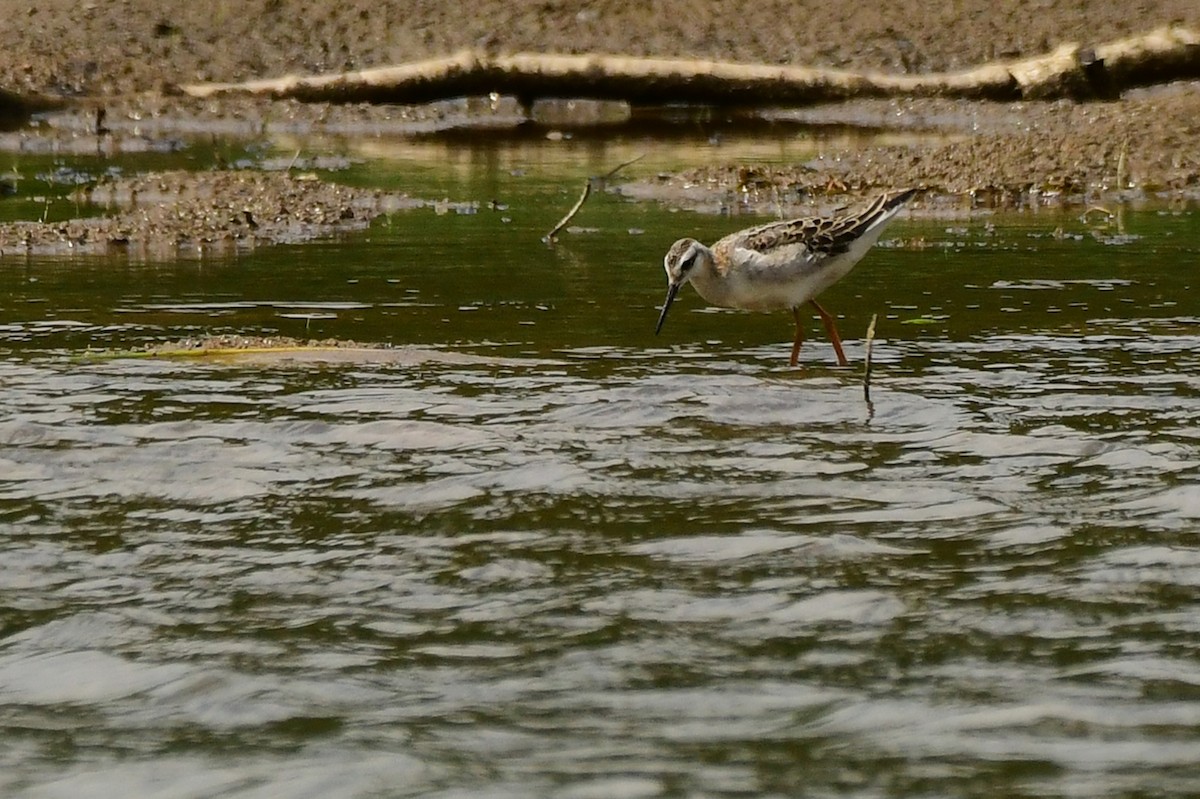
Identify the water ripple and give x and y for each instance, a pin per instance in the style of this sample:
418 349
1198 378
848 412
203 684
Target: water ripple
571 580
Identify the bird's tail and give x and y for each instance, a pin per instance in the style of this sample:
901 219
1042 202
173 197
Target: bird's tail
864 228
887 204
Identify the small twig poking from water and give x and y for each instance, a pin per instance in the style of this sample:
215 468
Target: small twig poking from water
587 189
292 163
867 358
612 172
102 130
550 237
1121 175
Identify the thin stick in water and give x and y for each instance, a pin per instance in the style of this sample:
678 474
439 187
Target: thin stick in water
587 189
612 172
867 368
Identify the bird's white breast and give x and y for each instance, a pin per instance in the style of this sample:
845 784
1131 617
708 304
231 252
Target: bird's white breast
782 279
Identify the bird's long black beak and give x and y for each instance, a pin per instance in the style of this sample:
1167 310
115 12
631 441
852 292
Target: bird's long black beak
672 290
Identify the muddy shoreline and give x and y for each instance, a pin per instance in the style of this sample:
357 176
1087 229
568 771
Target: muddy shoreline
193 214
119 63
130 47
1144 149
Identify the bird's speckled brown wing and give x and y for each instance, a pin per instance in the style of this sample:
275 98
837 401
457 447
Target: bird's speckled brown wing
821 236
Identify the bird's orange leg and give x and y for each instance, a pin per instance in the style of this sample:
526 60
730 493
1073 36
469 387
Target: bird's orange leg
799 339
831 329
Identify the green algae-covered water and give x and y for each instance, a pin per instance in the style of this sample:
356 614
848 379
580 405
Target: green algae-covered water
559 556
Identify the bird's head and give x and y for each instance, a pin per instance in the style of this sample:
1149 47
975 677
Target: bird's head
680 263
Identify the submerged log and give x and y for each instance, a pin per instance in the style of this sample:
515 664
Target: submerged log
1072 71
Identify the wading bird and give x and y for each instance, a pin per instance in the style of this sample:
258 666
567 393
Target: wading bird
781 264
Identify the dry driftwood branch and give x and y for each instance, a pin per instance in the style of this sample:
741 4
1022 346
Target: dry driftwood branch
1072 70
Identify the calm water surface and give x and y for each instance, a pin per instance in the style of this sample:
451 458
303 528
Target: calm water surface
560 556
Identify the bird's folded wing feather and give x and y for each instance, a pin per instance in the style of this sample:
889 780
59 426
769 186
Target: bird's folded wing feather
818 235
785 246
